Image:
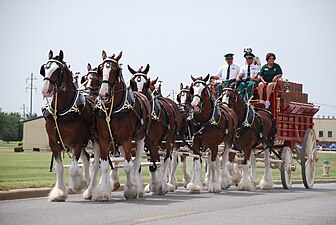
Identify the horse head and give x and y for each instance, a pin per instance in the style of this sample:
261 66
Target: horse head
139 80
91 80
200 92
232 98
110 72
184 97
53 73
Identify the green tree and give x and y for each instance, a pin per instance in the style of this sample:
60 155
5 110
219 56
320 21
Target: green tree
11 126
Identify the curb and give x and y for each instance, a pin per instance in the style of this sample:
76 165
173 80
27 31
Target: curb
43 192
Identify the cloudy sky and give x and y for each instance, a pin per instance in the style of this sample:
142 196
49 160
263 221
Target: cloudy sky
176 37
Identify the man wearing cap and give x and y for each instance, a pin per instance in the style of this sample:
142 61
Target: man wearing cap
248 77
227 73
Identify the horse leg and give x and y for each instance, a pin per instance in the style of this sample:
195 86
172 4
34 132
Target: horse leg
246 184
207 169
77 182
94 171
131 168
140 148
226 177
186 174
195 186
86 163
234 169
166 164
172 184
103 191
58 193
254 177
214 182
156 173
114 172
266 182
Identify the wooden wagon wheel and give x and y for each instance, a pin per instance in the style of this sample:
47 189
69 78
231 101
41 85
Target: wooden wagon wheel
309 158
286 168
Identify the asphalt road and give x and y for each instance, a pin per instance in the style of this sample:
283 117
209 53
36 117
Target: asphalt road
278 206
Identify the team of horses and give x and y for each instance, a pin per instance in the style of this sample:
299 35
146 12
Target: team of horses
133 118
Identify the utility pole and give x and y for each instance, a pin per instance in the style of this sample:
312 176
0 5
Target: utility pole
31 86
24 111
173 94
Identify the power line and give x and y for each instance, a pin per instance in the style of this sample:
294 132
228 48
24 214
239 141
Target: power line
31 86
317 103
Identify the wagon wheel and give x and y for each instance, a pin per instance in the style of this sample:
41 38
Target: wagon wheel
309 158
286 168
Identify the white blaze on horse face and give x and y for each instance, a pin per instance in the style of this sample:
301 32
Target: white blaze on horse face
198 88
49 69
89 81
104 87
140 82
225 99
183 98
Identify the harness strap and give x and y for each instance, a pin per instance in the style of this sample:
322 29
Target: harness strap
108 118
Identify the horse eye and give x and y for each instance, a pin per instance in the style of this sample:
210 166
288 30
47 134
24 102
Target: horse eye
139 79
108 65
91 77
182 94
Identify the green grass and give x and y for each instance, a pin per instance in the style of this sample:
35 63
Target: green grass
31 169
4 144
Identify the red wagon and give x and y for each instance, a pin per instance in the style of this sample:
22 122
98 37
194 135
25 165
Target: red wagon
296 140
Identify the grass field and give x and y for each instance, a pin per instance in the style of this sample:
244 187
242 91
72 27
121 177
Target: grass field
31 169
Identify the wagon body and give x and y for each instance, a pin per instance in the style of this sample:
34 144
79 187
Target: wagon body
295 135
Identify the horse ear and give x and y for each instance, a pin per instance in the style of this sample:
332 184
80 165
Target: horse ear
193 79
206 78
84 78
146 69
133 85
154 81
130 69
50 55
42 71
61 55
88 66
181 86
119 56
104 56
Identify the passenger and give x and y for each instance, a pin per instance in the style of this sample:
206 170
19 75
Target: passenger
227 73
248 77
268 76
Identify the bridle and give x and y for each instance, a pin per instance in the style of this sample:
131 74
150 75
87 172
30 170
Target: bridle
109 61
225 90
58 83
202 99
186 105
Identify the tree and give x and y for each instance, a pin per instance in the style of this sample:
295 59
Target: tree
11 126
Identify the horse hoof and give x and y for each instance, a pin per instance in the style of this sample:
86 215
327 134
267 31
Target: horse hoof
58 200
130 193
194 189
116 186
87 194
246 187
214 188
147 188
266 184
171 187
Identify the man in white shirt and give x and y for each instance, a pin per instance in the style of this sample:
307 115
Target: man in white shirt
248 77
227 73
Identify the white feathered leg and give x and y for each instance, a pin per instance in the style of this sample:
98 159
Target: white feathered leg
254 177
207 173
94 172
86 164
134 187
172 184
226 180
214 182
77 182
114 174
195 186
266 183
164 179
246 184
59 193
103 191
186 174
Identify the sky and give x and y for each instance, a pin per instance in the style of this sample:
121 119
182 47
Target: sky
178 38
